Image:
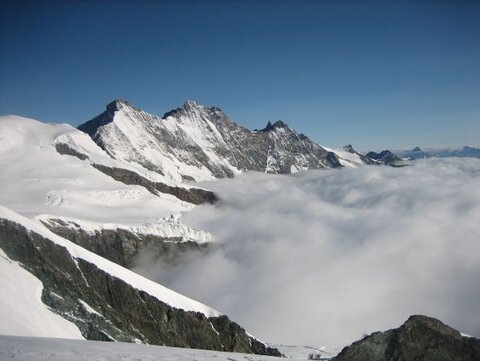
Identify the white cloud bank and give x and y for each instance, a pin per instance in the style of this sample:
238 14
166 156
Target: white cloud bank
325 256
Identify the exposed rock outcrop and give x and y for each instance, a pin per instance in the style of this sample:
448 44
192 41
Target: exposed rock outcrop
191 195
123 246
419 338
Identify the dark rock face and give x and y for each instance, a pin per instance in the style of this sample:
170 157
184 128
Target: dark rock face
125 313
66 150
191 195
385 156
122 246
224 144
419 338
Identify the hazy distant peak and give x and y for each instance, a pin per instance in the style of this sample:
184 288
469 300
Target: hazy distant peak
348 148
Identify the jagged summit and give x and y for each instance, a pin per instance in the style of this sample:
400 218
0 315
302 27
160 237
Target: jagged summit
188 107
276 125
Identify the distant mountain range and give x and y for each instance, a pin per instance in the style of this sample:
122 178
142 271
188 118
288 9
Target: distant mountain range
418 153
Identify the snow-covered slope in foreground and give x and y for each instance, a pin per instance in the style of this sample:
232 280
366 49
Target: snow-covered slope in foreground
41 349
22 312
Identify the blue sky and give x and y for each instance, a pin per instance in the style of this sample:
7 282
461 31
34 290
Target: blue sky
376 74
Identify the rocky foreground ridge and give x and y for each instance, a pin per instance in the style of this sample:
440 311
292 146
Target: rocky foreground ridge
107 308
420 338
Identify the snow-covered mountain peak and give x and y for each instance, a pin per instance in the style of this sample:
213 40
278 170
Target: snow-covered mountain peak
197 142
191 103
119 104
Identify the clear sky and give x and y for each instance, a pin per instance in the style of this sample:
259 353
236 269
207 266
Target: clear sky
376 74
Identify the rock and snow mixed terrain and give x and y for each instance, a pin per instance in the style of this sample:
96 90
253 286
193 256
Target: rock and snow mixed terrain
419 338
23 312
195 142
50 177
77 206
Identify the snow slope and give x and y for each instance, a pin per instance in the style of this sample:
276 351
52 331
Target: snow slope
22 312
37 180
347 159
42 349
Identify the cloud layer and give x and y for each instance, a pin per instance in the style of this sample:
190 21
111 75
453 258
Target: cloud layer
323 257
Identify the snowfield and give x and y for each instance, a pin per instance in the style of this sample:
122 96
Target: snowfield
22 313
38 182
44 349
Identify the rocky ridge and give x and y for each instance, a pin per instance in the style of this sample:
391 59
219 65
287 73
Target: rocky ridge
124 246
195 142
385 157
107 308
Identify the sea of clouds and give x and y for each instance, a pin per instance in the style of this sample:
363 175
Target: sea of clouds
323 257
